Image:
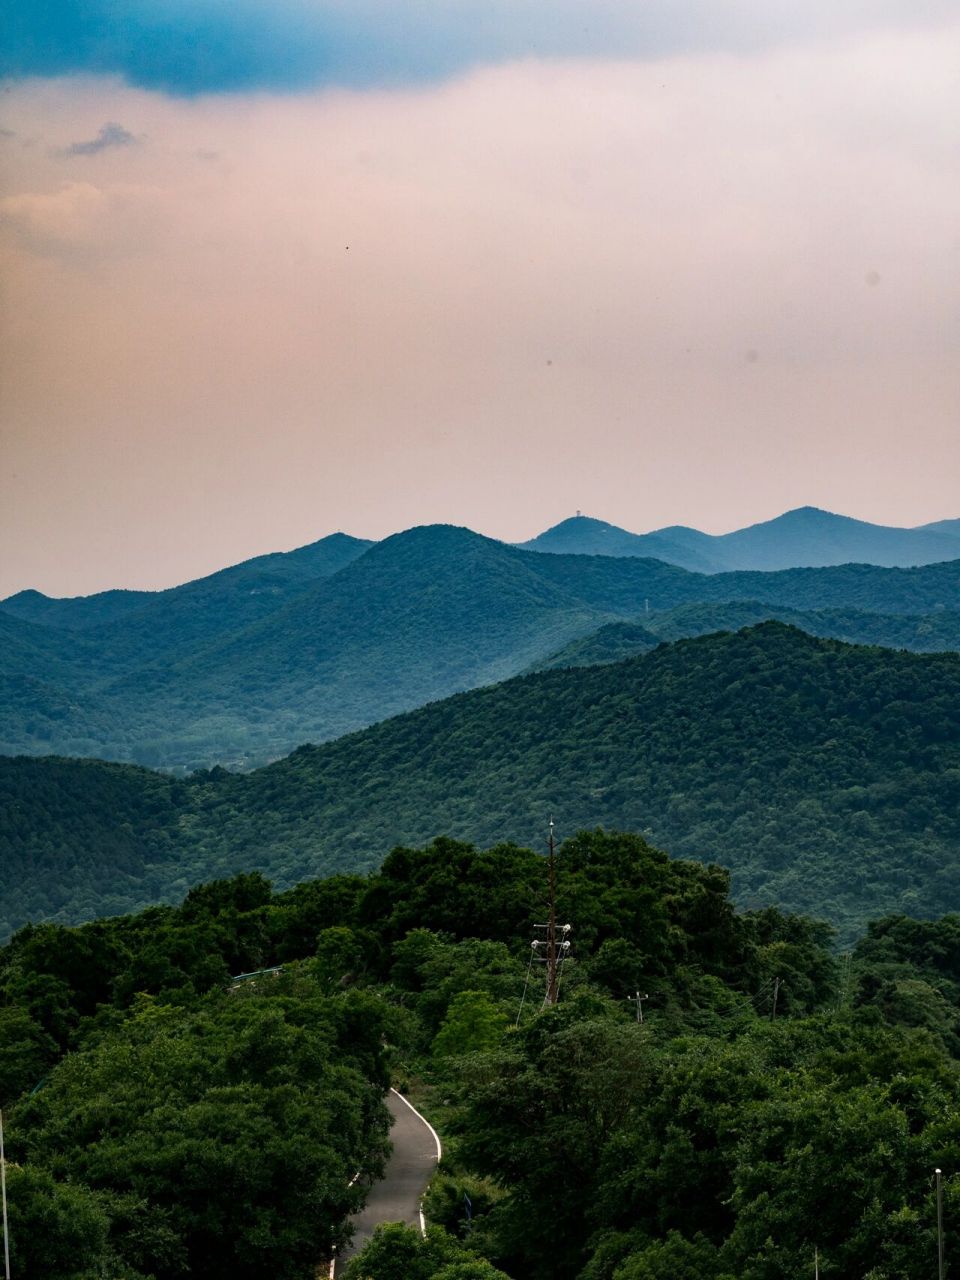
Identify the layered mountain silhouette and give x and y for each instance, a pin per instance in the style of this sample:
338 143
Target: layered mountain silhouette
806 536
824 775
585 536
222 600
242 666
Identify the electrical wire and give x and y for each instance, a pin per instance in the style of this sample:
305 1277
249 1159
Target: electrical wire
525 982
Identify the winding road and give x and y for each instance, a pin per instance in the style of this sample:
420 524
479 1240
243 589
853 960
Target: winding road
396 1197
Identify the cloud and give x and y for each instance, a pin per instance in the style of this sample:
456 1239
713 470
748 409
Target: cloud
83 223
110 135
59 218
556 271
198 46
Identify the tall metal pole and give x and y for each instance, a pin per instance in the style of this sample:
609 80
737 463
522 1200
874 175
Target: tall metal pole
552 922
3 1186
638 1000
941 1272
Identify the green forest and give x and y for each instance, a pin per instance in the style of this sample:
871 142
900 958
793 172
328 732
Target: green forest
825 776
165 1120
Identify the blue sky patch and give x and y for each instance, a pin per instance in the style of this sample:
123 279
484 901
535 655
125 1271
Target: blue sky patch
188 47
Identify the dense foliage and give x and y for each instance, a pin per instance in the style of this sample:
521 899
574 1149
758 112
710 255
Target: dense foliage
171 1124
166 1121
243 666
825 776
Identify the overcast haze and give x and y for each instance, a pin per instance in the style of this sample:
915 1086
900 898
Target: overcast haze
366 266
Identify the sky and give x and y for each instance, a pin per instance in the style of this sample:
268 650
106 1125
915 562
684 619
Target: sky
274 269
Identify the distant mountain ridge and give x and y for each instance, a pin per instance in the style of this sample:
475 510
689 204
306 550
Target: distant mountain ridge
241 667
806 537
275 573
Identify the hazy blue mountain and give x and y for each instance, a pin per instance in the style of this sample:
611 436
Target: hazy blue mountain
928 633
240 667
74 612
825 775
175 623
273 576
420 616
44 697
809 536
584 536
31 650
805 537
627 586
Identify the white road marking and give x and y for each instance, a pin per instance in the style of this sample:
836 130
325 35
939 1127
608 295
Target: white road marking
436 1139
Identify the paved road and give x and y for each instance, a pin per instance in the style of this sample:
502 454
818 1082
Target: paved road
396 1197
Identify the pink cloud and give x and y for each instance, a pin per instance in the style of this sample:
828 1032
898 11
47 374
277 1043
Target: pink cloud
701 290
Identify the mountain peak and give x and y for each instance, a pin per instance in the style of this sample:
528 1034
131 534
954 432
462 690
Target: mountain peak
27 596
809 513
799 516
436 535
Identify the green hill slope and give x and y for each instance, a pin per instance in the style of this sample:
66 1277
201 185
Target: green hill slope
923 633
614 641
826 776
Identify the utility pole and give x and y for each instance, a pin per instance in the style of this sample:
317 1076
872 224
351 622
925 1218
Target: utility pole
638 999
553 945
552 921
776 993
3 1185
941 1272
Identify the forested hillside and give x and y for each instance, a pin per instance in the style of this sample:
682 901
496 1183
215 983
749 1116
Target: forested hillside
614 641
241 667
826 776
166 1120
275 574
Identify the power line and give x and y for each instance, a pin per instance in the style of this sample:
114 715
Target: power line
525 984
3 1185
